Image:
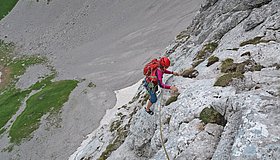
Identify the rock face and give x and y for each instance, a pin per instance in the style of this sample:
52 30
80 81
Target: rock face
99 42
249 102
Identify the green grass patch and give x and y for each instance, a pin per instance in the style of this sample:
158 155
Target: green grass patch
6 6
197 62
10 102
235 70
115 125
206 50
228 66
14 66
225 79
254 41
212 60
50 99
2 130
46 81
210 115
183 35
19 65
121 134
248 65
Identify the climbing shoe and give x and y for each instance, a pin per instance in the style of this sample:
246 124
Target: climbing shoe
149 111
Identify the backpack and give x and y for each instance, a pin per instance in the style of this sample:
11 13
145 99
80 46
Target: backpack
150 71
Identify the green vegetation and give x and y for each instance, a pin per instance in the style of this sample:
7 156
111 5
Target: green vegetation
12 67
225 79
197 62
2 130
44 82
254 41
210 115
6 6
183 35
19 64
115 125
206 50
248 65
119 139
50 99
212 60
235 70
10 102
135 98
91 85
228 66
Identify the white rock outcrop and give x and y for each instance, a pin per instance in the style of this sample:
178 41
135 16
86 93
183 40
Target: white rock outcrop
248 34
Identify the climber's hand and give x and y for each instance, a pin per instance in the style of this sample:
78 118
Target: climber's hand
174 89
176 74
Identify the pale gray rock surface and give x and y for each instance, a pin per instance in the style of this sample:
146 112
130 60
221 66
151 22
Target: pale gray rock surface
249 104
105 42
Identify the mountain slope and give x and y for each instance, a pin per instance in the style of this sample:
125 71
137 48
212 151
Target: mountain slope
101 42
234 48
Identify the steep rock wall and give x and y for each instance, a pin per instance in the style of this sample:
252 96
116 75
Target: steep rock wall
242 85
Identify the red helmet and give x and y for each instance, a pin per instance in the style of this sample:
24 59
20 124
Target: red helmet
164 62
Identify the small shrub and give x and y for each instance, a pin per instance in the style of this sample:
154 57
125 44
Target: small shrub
91 85
119 139
225 79
207 49
212 60
115 125
197 62
210 115
254 41
183 35
228 66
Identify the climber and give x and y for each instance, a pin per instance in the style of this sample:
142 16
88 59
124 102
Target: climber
151 85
